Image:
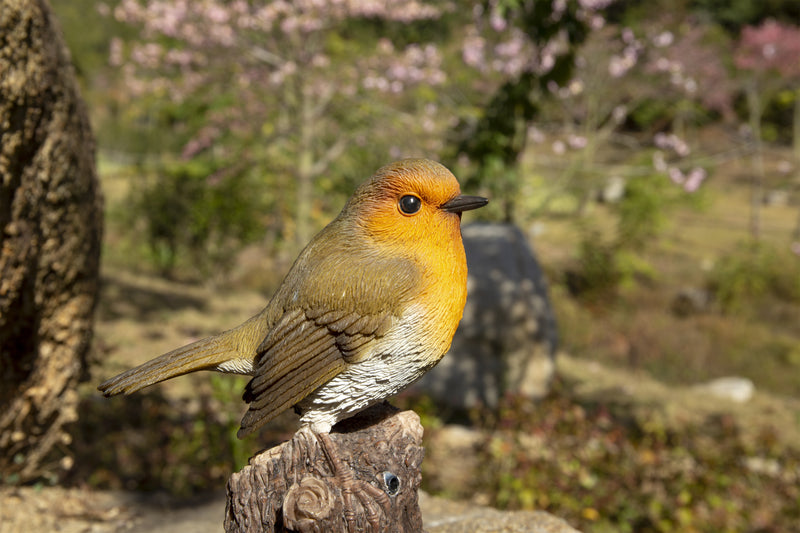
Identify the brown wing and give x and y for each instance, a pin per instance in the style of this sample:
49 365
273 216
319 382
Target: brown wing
340 295
304 350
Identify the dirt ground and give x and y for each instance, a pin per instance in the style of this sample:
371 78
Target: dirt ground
81 511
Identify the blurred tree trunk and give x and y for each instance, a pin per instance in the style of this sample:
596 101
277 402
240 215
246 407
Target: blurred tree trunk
796 127
796 150
757 158
305 178
50 230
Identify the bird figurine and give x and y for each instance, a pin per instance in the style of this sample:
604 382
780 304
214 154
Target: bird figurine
369 305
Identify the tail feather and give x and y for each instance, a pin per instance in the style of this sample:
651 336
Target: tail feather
205 354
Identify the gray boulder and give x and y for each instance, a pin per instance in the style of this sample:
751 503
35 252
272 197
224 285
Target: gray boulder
507 340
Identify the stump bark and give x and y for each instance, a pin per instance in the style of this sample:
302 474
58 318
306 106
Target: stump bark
50 230
363 476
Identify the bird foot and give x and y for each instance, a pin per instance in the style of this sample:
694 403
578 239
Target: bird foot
372 499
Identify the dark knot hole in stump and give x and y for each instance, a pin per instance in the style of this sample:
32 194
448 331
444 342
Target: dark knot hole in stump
392 483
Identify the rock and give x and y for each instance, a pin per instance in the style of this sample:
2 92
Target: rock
691 301
452 460
507 340
444 516
733 388
613 190
776 198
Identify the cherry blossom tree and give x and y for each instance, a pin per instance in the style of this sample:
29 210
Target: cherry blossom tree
605 78
580 89
530 46
769 56
284 87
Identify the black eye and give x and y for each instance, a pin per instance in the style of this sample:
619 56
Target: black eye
410 204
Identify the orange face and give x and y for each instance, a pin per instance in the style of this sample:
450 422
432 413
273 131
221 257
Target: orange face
401 206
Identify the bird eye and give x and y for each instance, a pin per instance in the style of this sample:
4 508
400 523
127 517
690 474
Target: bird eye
410 204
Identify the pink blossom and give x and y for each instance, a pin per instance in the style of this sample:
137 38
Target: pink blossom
559 6
595 5
535 135
115 52
509 48
497 22
695 178
147 55
619 66
662 64
320 61
182 58
676 175
204 139
577 141
385 46
770 46
400 11
619 113
671 142
663 39
696 68
659 163
628 36
596 22
575 87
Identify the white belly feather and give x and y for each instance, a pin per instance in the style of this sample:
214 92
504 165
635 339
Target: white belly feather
395 361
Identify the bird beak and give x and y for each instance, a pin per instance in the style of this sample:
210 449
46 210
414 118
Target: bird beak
464 203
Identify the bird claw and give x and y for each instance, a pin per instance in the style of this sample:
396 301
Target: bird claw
369 496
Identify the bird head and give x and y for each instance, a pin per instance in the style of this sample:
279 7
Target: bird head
409 202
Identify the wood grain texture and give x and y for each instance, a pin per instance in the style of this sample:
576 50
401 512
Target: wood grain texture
363 476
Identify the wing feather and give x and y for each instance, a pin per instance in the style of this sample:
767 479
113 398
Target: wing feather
291 388
306 354
332 314
317 343
287 323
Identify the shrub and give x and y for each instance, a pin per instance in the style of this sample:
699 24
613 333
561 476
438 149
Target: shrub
602 468
198 213
752 272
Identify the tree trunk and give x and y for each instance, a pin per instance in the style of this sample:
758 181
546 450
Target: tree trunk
757 157
363 476
796 128
50 230
305 179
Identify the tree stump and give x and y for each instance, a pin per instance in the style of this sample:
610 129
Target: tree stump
50 230
363 476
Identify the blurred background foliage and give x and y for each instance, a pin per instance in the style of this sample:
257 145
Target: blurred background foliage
253 119
645 147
